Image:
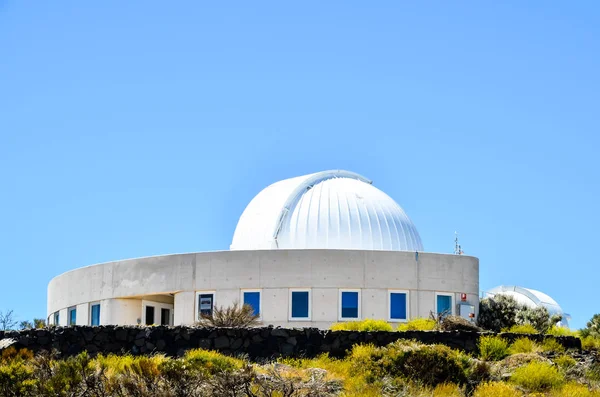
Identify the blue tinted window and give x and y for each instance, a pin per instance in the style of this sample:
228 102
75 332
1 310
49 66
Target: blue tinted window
299 304
95 315
349 304
444 304
253 299
56 318
72 316
398 306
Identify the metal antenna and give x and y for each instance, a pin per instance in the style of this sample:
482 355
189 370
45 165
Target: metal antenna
457 248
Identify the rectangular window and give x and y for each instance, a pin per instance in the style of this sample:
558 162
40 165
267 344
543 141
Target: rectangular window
398 305
299 304
57 318
72 316
149 315
206 303
252 298
165 316
443 304
349 304
95 314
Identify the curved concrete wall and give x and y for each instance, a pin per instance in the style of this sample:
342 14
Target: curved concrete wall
121 286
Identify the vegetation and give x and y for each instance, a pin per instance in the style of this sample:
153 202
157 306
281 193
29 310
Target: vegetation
455 323
551 345
418 324
497 389
537 376
562 331
231 316
590 343
523 345
367 325
565 362
492 348
7 320
502 312
403 368
521 329
592 327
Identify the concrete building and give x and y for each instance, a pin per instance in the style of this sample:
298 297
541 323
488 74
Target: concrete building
307 251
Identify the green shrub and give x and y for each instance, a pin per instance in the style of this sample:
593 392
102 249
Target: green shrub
429 364
552 345
16 379
573 389
537 376
590 343
496 389
492 348
592 327
211 361
555 330
367 325
418 324
523 345
503 311
538 317
498 312
565 362
521 329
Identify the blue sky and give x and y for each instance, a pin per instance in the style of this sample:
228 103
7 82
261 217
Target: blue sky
139 128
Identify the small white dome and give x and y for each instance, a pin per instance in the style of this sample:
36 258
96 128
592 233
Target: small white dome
328 210
532 298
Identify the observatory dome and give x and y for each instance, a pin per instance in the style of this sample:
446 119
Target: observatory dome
532 298
326 210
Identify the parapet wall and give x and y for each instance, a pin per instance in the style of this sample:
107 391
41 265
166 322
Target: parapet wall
255 342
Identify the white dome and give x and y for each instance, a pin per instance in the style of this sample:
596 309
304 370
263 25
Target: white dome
328 210
532 298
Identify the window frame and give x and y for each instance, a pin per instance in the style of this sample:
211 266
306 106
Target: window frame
197 302
291 291
69 311
260 300
91 313
56 317
398 291
452 303
359 311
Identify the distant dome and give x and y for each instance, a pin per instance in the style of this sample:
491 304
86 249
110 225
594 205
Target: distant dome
532 298
329 210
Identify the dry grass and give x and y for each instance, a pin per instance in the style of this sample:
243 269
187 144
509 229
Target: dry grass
496 389
231 316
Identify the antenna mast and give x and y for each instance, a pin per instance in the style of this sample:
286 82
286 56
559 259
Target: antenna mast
457 248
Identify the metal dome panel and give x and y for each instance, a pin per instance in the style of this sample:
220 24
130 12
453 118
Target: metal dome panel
326 210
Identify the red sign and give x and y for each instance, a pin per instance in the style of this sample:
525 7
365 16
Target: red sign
463 297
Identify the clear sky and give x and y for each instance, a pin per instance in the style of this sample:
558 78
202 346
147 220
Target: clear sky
137 128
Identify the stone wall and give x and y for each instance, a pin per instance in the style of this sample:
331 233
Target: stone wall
255 342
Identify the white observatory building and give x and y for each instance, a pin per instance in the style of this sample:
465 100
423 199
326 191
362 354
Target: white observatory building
307 251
